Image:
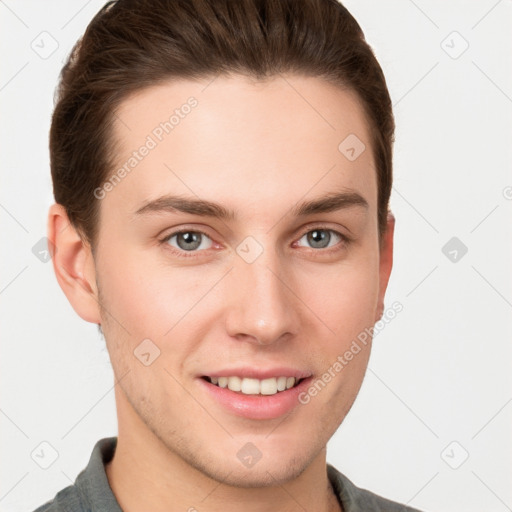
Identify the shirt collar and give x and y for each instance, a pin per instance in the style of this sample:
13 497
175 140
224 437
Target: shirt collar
92 482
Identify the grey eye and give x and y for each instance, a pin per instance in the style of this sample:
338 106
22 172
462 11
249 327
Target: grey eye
189 240
320 238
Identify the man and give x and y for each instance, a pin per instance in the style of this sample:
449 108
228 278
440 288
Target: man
222 173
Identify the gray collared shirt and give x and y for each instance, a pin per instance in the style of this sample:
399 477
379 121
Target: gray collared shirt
91 491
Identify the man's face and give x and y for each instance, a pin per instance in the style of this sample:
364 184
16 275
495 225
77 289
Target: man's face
265 294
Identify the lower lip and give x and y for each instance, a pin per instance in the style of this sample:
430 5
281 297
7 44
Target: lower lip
256 407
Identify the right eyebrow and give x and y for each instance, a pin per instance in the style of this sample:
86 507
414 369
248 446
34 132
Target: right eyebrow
174 204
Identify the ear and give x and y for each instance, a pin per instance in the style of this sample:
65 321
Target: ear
73 264
386 262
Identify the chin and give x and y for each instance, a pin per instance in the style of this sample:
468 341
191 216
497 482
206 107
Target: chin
268 473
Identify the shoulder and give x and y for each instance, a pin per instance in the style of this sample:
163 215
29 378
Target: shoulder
356 499
91 490
66 500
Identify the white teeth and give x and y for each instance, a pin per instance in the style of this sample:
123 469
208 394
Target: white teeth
269 386
248 386
290 382
235 383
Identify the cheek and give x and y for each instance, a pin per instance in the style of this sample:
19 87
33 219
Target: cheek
344 297
147 297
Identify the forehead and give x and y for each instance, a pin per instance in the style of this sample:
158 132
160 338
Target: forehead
248 144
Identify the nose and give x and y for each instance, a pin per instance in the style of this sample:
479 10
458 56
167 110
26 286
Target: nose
262 307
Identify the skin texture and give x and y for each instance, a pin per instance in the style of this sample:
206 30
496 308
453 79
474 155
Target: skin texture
257 148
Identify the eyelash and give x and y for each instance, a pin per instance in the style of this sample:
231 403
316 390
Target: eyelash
345 240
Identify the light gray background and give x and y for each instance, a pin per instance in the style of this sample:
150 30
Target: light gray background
438 387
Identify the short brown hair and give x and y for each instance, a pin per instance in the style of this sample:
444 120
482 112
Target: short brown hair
133 44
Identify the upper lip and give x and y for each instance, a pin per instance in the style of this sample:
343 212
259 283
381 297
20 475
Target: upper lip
260 373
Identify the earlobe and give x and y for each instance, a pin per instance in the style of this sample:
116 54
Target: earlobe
73 265
386 263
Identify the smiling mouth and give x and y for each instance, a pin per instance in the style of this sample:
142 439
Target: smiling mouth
248 386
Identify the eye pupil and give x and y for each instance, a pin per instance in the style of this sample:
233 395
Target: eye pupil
189 237
318 236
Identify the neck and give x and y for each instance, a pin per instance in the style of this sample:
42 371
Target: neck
145 475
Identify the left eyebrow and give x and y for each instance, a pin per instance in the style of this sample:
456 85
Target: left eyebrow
174 204
330 203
